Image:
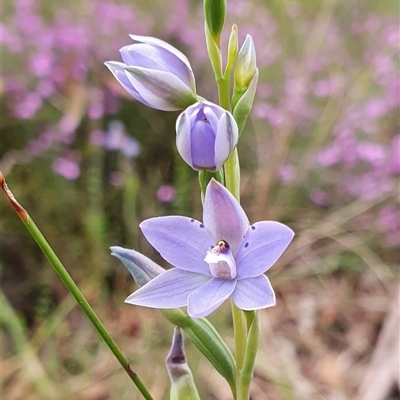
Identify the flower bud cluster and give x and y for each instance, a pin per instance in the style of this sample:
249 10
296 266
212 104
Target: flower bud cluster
160 76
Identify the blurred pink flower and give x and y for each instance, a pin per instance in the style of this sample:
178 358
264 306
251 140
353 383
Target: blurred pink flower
29 106
389 224
319 197
166 193
67 168
287 173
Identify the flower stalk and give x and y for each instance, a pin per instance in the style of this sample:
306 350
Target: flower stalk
72 287
246 341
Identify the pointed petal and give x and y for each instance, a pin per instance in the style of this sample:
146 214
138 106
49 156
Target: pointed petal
157 58
183 142
209 296
202 139
141 267
162 90
226 139
223 215
213 113
261 247
168 290
181 241
118 70
254 293
165 45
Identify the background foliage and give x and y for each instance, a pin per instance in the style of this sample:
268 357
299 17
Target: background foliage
320 153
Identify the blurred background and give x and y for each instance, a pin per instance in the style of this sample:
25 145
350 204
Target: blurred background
320 153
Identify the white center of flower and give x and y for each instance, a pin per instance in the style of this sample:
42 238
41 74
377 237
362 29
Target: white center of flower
221 261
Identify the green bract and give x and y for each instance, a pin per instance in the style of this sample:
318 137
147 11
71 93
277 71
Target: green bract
242 103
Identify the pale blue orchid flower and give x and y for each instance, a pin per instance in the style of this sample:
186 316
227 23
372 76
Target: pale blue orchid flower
206 134
222 257
156 74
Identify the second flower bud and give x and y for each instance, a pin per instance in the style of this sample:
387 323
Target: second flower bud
206 134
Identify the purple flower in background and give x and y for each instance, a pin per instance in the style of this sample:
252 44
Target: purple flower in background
205 135
156 74
222 257
116 139
287 173
319 197
166 193
67 167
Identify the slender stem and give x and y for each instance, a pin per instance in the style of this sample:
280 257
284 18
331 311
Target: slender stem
253 341
72 287
232 182
223 92
239 326
232 174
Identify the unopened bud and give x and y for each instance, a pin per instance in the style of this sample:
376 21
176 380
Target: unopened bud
245 65
215 13
182 383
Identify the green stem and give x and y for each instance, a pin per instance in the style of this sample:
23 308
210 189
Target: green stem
232 174
232 182
253 341
72 287
223 84
239 326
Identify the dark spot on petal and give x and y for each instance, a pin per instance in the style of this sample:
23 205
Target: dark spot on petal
253 227
192 220
201 225
246 244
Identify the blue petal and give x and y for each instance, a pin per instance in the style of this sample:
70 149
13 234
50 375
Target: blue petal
261 247
254 293
181 241
226 139
157 42
223 215
157 58
162 90
118 70
141 267
183 142
202 142
209 296
168 290
213 113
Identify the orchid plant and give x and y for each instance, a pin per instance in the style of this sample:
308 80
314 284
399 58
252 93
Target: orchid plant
222 257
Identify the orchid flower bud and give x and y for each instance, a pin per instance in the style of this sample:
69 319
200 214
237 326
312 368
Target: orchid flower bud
215 13
156 74
245 64
206 134
182 382
232 49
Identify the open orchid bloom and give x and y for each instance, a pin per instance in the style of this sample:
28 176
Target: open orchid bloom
222 257
156 74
